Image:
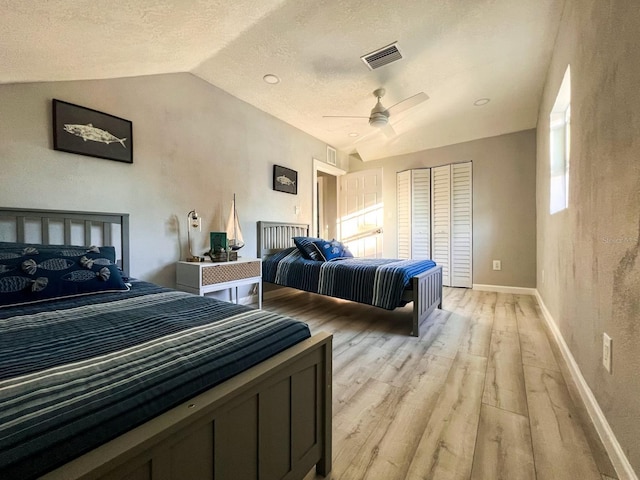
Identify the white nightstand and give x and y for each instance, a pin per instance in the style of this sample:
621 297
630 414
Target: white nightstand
205 277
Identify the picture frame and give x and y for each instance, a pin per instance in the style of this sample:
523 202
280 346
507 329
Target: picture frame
285 180
85 131
218 241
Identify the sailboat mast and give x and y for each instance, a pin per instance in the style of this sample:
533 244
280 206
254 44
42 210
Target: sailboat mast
235 220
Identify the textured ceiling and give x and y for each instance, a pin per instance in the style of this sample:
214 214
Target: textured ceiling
456 51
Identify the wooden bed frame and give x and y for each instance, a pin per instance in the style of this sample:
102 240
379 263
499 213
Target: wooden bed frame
272 421
425 291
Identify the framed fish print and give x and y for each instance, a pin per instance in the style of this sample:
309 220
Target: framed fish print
285 180
86 131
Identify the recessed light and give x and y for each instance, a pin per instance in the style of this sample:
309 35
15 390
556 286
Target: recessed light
354 134
271 79
481 101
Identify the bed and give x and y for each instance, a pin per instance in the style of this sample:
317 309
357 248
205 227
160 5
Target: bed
384 283
148 382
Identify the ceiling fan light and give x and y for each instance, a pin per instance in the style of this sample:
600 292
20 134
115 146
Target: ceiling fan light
378 120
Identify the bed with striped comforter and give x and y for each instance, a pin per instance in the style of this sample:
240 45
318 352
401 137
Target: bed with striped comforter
375 281
77 372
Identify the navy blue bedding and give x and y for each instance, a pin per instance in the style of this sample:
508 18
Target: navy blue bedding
78 372
375 281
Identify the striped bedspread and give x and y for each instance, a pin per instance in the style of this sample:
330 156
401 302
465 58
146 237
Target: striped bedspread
76 373
375 281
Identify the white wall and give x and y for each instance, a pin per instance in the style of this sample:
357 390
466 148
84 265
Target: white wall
194 146
588 265
504 202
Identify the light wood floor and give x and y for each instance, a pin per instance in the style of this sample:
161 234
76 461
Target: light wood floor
479 395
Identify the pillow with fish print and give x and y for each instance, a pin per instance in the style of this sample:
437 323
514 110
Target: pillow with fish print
108 252
36 275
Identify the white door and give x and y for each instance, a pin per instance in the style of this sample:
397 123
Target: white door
403 215
414 213
421 214
362 212
461 225
452 220
440 219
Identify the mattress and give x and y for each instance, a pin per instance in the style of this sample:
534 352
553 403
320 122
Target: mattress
374 281
77 372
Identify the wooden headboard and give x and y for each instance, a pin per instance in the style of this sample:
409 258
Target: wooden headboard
57 227
276 236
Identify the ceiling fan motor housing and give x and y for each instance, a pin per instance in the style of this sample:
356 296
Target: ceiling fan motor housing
379 119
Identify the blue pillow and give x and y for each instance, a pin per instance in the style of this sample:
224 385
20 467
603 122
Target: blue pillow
307 247
62 250
28 274
330 250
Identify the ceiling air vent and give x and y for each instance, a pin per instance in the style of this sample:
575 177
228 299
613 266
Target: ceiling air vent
382 57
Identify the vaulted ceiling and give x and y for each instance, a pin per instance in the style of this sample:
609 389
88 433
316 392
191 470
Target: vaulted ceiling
455 51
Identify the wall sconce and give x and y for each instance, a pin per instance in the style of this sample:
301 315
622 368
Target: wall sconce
193 221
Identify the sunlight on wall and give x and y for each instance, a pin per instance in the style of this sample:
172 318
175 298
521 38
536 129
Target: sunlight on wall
361 231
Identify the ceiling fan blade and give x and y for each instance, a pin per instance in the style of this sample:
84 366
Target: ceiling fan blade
408 103
388 131
342 116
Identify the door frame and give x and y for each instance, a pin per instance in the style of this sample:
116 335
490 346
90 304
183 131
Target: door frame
319 166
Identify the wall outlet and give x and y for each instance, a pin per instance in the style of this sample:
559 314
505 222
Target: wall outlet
607 345
497 265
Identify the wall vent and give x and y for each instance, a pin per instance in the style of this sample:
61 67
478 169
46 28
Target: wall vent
331 155
383 56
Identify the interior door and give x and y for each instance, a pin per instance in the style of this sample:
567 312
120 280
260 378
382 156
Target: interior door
441 219
362 212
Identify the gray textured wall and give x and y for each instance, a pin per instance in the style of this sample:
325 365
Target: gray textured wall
504 202
588 265
194 146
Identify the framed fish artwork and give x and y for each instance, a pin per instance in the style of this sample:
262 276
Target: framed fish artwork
86 131
285 180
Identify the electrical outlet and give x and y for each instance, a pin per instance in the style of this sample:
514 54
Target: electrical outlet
607 345
497 265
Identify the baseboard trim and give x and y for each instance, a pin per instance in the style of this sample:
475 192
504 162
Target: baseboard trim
504 289
616 454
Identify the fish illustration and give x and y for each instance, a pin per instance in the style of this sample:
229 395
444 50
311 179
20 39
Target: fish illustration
7 268
30 266
8 255
90 262
71 252
16 284
89 132
284 180
86 275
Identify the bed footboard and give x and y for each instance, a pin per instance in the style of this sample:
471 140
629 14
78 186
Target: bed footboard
272 421
427 296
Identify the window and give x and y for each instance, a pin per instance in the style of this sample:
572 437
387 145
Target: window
560 146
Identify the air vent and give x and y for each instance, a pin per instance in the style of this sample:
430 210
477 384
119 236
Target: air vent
383 56
331 155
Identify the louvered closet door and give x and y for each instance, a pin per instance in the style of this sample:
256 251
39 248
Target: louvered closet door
461 225
403 199
421 214
440 219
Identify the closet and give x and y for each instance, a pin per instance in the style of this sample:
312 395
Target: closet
435 219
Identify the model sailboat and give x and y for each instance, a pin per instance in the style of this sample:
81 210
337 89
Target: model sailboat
234 234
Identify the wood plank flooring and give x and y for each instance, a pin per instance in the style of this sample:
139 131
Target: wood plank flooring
479 395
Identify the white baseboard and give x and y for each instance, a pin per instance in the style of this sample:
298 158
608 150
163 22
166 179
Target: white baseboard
616 454
504 289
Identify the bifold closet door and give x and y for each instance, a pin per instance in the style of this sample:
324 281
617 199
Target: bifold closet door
403 215
461 225
441 219
414 213
451 197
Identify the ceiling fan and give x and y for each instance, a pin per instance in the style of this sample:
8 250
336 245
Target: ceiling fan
379 116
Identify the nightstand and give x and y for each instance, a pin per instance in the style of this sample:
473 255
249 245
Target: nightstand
206 277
